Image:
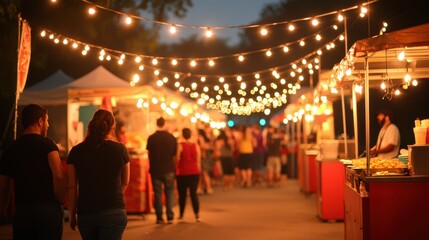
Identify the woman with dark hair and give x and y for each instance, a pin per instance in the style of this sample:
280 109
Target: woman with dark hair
188 172
98 174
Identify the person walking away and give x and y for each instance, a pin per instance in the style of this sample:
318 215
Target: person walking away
98 171
283 152
274 158
259 152
245 157
388 141
162 147
206 162
32 161
188 172
224 148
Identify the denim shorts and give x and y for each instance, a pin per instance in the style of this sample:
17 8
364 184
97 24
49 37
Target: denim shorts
107 224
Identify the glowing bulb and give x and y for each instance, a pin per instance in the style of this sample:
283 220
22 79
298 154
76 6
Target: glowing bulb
51 36
102 53
136 78
340 17
318 37
91 11
122 56
108 58
174 62
193 63
314 22
291 27
302 43
156 72
128 20
397 92
121 61
138 59
65 41
43 33
285 49
240 58
203 79
154 61
221 79
257 76
401 56
383 85
268 53
264 31
141 67
159 83
239 78
414 82
74 45
211 63
209 33
173 30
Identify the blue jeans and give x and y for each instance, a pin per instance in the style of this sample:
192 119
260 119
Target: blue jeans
157 183
38 221
108 224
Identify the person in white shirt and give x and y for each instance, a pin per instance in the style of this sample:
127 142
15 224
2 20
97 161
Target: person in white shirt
388 141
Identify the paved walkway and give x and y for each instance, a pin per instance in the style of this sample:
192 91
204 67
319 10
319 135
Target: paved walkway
255 213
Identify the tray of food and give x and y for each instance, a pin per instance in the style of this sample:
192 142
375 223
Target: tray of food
379 167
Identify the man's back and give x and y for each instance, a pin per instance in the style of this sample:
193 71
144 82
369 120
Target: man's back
26 161
162 147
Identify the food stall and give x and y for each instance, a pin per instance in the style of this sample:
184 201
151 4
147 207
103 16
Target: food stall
383 198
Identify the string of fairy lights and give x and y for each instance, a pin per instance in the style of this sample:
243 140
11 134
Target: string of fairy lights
216 91
209 31
214 102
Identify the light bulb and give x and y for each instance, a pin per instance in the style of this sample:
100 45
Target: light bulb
291 27
154 61
193 63
209 33
264 31
211 63
240 58
128 20
314 22
173 30
174 62
91 11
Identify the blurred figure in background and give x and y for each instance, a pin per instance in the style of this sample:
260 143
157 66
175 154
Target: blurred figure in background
258 155
224 148
188 172
246 143
120 132
162 147
274 157
206 162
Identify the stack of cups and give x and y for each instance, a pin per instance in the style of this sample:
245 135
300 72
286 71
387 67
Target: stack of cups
425 124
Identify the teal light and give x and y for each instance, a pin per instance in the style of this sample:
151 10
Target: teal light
262 122
230 123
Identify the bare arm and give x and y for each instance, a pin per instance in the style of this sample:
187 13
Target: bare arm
4 195
58 176
125 176
72 194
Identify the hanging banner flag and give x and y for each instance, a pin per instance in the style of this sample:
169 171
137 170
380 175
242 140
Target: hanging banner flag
24 54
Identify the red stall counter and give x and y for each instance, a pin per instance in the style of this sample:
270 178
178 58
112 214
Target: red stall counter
138 195
386 207
330 189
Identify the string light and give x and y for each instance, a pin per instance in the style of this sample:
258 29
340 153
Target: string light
314 19
248 107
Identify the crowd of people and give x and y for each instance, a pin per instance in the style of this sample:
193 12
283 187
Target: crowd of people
198 162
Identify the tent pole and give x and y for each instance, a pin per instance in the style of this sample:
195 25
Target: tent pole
355 125
344 122
15 119
367 127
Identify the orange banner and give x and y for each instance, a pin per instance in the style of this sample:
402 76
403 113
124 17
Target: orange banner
24 54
